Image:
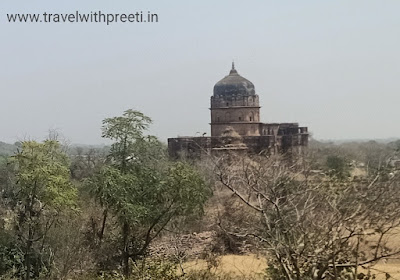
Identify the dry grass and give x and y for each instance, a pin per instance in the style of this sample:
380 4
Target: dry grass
252 267
245 266
380 270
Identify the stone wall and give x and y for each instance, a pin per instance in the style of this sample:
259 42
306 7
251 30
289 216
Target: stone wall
234 101
242 128
277 137
199 147
240 112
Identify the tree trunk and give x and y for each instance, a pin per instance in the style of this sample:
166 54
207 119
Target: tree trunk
103 225
29 242
125 253
28 255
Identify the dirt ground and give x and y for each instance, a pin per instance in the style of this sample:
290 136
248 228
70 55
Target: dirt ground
246 266
393 269
252 267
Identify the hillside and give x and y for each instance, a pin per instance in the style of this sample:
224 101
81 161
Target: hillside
6 150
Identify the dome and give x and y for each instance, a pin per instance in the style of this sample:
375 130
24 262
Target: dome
233 85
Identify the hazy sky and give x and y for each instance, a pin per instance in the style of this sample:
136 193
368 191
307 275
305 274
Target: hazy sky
333 66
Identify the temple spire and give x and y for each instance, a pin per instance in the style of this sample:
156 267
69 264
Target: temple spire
233 65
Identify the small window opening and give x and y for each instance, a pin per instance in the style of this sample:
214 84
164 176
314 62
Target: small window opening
240 118
251 118
227 104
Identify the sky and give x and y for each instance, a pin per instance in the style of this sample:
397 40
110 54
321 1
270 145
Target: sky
333 66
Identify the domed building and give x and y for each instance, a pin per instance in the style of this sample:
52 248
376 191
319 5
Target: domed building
235 110
235 103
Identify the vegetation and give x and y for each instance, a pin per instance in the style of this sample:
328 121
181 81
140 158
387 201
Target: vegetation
6 150
313 227
128 212
337 166
140 188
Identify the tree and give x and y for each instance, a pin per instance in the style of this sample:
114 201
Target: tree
84 162
312 227
140 188
41 191
337 166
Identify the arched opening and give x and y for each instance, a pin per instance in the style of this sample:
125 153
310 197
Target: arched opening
251 116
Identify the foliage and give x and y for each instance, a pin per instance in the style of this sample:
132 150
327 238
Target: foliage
312 218
11 257
127 132
41 191
71 254
42 176
140 188
7 149
337 166
85 161
372 155
3 160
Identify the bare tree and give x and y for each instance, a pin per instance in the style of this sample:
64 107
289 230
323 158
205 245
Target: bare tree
312 226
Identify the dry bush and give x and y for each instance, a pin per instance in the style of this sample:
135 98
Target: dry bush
312 228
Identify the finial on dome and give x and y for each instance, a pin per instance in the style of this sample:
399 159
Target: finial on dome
233 70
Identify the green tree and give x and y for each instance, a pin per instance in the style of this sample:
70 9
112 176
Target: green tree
337 166
41 191
141 188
